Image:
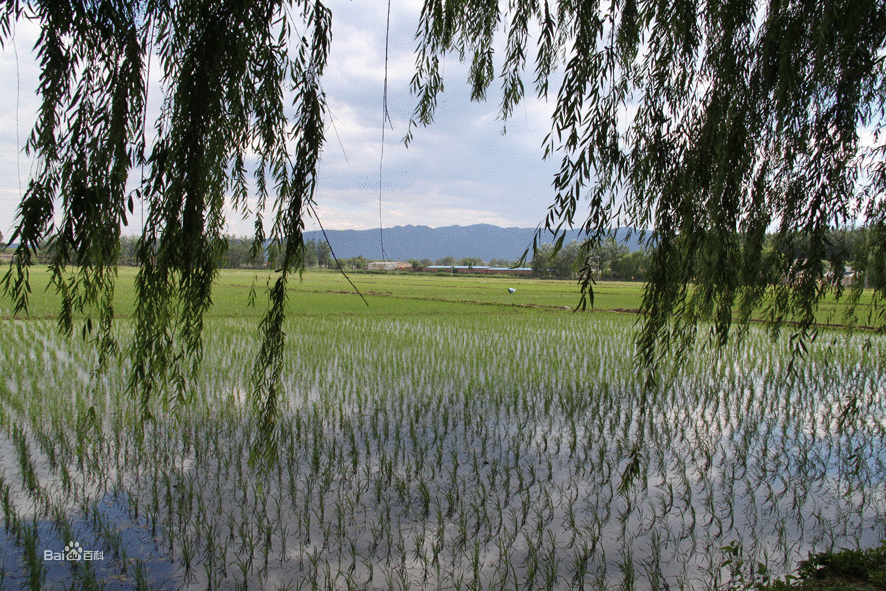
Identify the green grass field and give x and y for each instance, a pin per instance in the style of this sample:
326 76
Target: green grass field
328 293
449 436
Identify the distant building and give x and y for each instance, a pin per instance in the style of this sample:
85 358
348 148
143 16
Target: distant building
389 266
481 270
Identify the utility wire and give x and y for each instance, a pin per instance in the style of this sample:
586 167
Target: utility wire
332 252
149 49
18 93
386 118
332 119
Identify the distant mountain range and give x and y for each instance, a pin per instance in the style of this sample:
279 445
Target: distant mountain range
483 241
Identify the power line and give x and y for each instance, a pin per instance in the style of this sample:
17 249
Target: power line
386 118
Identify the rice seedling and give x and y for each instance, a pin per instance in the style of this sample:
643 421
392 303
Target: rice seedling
445 452
35 567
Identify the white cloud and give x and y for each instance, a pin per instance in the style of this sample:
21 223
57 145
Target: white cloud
461 170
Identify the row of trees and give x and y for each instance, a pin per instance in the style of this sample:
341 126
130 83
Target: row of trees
237 253
842 255
608 260
463 262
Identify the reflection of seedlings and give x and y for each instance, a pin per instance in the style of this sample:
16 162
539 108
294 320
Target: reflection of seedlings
9 516
405 451
140 575
26 464
33 560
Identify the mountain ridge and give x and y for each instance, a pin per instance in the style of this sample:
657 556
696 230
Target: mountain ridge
484 241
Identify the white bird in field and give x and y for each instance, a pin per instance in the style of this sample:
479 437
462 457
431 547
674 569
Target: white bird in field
512 290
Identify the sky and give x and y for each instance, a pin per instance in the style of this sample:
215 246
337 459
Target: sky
462 170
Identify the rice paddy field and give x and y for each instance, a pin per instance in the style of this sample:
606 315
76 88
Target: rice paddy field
448 436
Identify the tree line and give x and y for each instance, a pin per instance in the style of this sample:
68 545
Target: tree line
236 253
843 256
608 260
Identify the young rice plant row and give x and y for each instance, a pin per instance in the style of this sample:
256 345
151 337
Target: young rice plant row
448 453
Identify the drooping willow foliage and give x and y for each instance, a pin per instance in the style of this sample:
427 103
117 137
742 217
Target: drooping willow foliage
229 71
712 123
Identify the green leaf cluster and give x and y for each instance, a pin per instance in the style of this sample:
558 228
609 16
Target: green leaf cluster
229 71
709 123
844 570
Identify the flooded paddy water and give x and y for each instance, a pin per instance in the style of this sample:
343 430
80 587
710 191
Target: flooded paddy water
452 453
